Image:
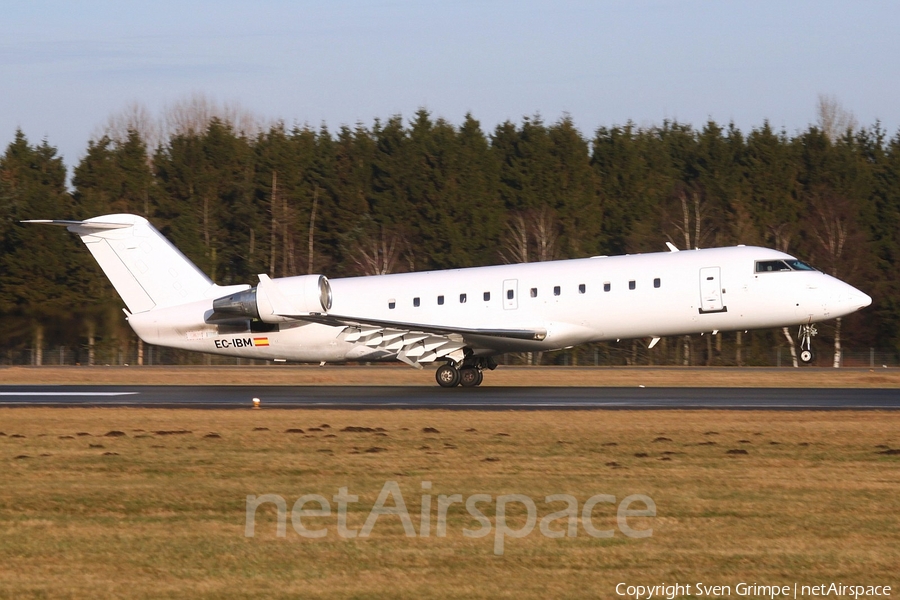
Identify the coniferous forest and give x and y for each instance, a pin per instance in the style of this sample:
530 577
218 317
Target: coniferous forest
424 193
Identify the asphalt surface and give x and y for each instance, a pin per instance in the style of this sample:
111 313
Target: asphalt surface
485 398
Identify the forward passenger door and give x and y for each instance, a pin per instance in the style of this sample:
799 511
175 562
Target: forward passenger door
711 290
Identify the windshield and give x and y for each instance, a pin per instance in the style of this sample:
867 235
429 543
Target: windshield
792 264
799 265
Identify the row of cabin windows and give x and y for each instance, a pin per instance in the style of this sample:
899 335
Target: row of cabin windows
511 294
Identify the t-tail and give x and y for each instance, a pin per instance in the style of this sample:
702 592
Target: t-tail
147 271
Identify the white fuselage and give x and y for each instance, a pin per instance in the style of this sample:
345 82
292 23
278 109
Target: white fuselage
574 301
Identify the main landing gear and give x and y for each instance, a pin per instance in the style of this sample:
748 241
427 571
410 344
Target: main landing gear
469 374
807 332
447 376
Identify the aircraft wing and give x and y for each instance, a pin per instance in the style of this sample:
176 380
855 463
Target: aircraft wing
337 320
415 343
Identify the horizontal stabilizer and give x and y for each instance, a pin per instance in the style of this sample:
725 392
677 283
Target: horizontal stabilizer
145 268
81 226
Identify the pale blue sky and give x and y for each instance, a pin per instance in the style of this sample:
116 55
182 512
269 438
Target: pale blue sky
66 66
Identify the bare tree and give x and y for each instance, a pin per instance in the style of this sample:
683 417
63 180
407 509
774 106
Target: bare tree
839 241
545 233
782 234
685 222
312 229
193 114
833 119
281 215
134 117
273 228
515 245
190 115
831 228
288 258
533 235
792 345
377 254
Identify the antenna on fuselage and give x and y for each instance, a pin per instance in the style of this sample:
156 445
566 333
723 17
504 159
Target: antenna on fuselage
672 247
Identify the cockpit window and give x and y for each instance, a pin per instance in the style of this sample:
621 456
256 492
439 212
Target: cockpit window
799 265
767 266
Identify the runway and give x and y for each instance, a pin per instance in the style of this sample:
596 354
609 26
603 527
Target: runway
432 397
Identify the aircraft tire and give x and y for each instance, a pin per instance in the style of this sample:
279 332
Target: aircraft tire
468 376
807 356
447 376
480 377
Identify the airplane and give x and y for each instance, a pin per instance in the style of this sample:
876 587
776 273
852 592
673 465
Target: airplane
461 318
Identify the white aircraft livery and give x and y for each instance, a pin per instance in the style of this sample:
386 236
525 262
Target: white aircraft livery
461 318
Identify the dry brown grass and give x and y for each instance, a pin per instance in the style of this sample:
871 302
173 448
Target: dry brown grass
153 515
395 374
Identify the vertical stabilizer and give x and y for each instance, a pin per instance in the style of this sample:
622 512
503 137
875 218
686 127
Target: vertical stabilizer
145 268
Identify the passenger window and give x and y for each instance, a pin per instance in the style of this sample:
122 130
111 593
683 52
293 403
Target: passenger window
556 290
392 304
606 286
656 282
440 300
509 294
582 288
462 298
632 285
487 296
415 301
534 292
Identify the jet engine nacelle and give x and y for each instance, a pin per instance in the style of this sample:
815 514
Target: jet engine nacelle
277 300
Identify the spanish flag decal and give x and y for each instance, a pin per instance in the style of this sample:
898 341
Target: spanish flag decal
261 341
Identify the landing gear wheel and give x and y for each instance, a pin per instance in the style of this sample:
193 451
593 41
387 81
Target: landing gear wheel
447 376
807 332
480 377
469 376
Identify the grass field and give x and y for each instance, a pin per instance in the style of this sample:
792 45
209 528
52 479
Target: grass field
150 513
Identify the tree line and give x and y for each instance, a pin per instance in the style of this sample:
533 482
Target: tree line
428 194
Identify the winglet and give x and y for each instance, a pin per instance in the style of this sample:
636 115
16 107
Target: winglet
672 247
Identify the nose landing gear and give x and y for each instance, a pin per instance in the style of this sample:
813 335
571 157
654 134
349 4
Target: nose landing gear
807 332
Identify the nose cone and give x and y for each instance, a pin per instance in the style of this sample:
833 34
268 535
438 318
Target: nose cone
851 300
860 300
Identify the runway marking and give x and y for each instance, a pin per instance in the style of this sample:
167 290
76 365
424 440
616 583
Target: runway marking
68 393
